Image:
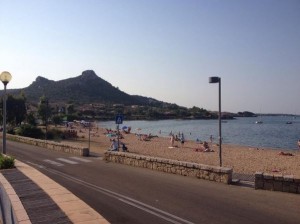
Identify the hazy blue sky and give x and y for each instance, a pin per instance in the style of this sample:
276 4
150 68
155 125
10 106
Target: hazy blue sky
165 49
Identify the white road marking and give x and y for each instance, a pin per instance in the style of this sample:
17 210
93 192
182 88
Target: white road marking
127 200
67 161
81 159
53 162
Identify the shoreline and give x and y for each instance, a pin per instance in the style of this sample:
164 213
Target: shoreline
274 133
243 159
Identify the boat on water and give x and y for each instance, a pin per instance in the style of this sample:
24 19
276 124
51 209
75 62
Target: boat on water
289 122
259 121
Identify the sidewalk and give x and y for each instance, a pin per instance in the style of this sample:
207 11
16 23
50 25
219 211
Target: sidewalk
36 198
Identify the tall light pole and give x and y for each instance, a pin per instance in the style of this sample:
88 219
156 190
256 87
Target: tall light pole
218 80
46 120
5 77
89 135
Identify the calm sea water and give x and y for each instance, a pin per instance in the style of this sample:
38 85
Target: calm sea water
272 133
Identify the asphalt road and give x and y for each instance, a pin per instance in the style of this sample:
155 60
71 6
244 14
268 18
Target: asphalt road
124 194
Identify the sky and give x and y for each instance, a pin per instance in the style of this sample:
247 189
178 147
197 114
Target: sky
164 49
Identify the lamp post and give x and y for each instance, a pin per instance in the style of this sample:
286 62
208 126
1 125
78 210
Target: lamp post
218 80
46 116
5 77
89 135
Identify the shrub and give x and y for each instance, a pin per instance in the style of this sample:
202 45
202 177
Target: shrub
54 134
11 131
28 130
6 162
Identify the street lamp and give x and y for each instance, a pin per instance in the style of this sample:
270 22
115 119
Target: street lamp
46 116
218 80
5 77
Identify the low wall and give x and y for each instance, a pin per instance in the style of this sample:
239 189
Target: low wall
56 146
277 182
213 173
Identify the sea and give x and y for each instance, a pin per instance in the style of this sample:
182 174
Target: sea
277 132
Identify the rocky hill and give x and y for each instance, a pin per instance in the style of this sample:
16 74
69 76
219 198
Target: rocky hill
86 88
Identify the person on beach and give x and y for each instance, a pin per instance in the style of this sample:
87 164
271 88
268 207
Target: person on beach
299 144
172 140
114 145
124 148
211 139
285 154
206 147
182 140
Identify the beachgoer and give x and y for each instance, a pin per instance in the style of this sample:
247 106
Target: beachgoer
285 154
114 145
182 140
206 147
124 148
172 140
299 144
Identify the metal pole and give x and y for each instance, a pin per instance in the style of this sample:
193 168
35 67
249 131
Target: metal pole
220 128
4 121
46 124
89 135
118 136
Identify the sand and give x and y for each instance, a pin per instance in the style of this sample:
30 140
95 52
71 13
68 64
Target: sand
242 159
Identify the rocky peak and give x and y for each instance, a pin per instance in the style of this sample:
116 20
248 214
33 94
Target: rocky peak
88 74
41 79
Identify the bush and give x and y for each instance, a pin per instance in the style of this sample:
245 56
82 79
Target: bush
54 134
6 162
28 130
11 131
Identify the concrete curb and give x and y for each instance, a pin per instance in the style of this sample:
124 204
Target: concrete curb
13 203
76 210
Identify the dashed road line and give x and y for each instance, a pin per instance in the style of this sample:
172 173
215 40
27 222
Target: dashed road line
53 162
81 159
67 161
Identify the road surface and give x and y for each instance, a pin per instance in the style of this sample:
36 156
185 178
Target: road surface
124 194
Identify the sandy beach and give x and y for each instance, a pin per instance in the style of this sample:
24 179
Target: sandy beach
242 159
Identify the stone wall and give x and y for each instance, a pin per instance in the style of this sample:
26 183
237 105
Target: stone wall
213 173
277 182
56 146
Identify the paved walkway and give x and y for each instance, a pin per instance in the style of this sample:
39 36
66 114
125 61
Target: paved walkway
38 199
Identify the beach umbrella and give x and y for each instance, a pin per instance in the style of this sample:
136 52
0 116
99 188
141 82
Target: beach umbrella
124 127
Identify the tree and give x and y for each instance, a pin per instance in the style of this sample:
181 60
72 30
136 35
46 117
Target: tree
71 109
31 119
44 111
16 109
57 120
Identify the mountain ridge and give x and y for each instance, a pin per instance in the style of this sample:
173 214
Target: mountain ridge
85 88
